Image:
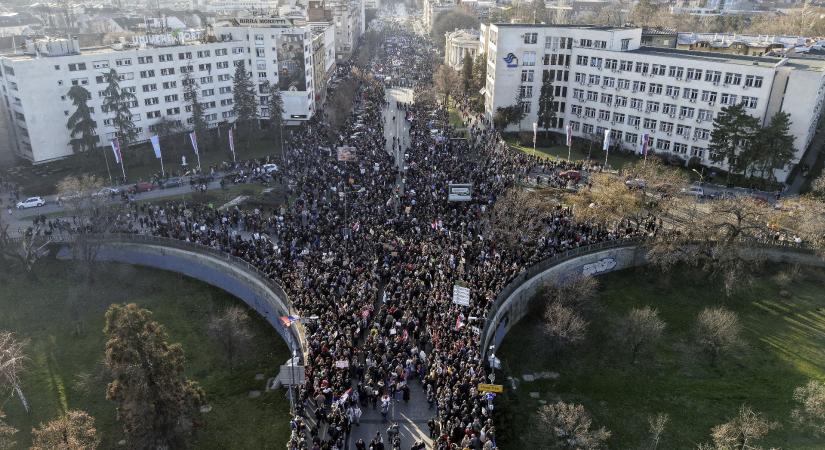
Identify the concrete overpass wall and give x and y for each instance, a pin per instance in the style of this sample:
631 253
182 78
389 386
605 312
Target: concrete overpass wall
211 266
513 303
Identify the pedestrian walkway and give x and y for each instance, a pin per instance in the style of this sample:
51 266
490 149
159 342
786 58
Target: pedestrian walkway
412 420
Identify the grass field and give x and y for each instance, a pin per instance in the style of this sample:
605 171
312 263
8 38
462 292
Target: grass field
51 309
785 339
615 160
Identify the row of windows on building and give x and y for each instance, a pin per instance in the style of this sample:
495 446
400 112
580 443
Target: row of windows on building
149 59
618 137
556 42
669 109
616 118
676 72
637 103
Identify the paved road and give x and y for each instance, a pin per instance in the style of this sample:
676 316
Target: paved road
412 417
412 420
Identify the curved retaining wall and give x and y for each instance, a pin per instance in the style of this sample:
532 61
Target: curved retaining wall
211 266
513 303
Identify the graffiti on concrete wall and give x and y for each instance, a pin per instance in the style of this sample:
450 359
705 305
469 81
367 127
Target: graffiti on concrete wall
600 266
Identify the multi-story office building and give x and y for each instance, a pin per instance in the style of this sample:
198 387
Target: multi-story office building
34 86
603 80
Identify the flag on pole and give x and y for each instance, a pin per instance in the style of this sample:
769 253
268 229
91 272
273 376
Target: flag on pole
606 143
232 142
459 322
569 135
535 130
643 144
155 145
194 139
288 320
116 151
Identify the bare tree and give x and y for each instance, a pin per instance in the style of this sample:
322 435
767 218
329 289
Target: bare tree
93 213
578 292
564 326
639 329
519 218
447 83
570 427
230 330
609 201
717 332
657 426
74 430
743 432
12 361
712 236
7 433
810 412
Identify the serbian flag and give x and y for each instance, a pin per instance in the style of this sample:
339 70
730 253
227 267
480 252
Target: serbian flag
194 138
459 321
116 151
288 320
345 395
569 135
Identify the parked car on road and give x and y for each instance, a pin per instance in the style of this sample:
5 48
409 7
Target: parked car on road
143 186
574 175
107 192
693 191
171 182
31 202
269 168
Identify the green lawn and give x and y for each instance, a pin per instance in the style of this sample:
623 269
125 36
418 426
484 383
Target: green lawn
615 160
50 309
785 347
140 160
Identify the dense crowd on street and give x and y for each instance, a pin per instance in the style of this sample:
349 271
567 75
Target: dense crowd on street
371 255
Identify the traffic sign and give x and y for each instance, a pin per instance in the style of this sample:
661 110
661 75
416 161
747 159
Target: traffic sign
491 388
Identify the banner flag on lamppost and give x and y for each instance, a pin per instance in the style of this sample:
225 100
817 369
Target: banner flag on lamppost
569 130
535 130
156 147
194 138
232 144
118 156
606 145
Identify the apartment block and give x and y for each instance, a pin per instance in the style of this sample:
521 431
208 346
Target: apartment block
34 85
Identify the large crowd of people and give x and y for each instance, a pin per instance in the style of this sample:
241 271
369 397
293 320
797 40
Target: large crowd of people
372 255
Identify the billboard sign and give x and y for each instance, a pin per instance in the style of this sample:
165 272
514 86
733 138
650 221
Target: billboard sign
459 192
291 68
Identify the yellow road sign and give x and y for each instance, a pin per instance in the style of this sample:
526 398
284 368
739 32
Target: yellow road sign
497 388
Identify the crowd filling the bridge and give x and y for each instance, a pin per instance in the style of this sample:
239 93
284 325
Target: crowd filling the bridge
368 254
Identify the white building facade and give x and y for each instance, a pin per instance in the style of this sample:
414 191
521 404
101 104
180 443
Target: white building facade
603 80
459 43
34 87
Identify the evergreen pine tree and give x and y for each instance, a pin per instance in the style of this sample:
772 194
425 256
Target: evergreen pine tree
733 132
467 73
246 105
276 110
191 93
772 147
156 404
118 101
82 127
546 113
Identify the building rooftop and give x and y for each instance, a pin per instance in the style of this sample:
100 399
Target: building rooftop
762 61
557 25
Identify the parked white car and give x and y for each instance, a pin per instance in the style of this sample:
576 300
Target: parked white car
269 168
31 202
